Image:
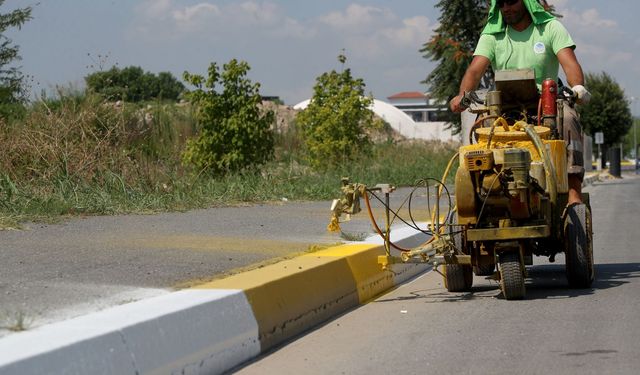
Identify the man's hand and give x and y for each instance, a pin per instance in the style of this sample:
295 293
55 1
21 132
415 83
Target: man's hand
582 94
454 104
470 81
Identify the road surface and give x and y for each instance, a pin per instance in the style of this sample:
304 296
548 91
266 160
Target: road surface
421 329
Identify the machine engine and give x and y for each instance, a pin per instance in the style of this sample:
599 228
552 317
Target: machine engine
506 185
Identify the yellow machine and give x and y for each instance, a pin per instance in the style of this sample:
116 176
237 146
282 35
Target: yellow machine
511 191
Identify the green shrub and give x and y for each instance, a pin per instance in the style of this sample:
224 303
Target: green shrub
234 133
132 84
334 125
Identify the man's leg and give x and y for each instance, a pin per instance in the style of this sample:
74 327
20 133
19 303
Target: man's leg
575 189
575 162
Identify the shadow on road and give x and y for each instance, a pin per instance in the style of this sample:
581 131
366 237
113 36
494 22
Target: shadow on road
440 295
544 282
549 281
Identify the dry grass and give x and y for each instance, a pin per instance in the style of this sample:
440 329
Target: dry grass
17 321
81 155
86 140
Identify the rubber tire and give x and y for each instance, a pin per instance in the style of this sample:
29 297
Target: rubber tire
579 246
511 276
484 270
458 277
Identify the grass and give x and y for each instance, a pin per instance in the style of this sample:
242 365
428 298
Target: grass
82 156
354 237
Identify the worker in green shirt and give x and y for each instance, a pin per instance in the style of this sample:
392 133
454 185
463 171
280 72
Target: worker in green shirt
521 34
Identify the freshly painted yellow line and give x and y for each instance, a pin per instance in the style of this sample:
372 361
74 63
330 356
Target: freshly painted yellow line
290 296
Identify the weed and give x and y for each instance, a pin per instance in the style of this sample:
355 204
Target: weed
80 155
16 321
354 237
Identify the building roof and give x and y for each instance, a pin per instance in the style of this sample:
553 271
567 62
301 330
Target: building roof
408 95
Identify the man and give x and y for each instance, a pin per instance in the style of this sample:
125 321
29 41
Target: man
521 34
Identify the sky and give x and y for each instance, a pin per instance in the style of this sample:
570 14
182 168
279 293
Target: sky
287 43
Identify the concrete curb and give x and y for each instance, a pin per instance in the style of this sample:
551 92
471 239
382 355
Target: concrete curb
216 326
590 178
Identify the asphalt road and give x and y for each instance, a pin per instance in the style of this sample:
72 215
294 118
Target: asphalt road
421 329
54 272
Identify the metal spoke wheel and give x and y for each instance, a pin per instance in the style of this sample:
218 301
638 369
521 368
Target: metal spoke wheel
511 276
579 246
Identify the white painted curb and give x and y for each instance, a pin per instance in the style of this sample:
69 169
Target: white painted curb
187 332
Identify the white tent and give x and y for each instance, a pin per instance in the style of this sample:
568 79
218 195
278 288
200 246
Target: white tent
402 123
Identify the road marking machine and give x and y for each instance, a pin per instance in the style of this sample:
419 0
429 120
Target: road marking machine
511 193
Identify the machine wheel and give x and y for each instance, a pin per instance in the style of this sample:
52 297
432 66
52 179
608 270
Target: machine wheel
458 277
511 276
484 270
579 246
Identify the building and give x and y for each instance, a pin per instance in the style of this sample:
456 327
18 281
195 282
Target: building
404 124
419 106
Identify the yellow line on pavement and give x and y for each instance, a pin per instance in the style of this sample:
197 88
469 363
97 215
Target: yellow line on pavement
289 296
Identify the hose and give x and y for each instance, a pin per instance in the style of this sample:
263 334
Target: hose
418 184
487 197
539 110
548 165
478 123
505 126
439 194
375 224
444 180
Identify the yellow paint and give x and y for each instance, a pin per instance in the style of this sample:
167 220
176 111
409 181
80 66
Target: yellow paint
334 225
289 291
282 295
556 147
220 243
502 135
559 159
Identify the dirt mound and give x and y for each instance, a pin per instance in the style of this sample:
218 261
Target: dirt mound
285 115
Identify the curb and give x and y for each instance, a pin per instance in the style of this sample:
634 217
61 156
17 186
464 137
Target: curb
216 326
590 178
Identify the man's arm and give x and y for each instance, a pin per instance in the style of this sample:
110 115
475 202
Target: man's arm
471 80
573 71
571 66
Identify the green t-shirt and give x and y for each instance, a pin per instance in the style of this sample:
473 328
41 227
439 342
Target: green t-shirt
536 47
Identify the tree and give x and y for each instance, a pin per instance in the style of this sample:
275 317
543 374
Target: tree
452 46
608 111
235 134
12 91
334 124
134 84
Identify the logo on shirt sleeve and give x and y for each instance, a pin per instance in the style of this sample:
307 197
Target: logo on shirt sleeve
539 48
